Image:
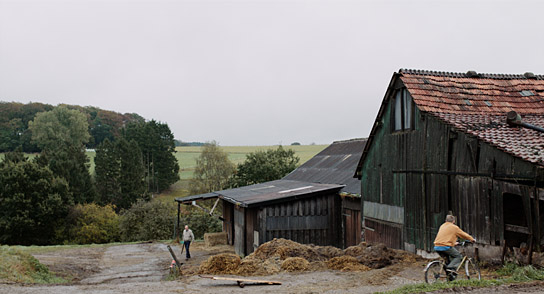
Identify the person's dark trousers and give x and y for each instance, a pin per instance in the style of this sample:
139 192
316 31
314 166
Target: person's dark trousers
187 244
454 257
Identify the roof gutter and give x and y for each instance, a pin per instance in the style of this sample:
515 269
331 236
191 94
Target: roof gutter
514 120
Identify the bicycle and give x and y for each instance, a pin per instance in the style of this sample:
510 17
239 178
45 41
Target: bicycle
435 271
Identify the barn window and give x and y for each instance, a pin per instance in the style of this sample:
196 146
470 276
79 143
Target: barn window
403 110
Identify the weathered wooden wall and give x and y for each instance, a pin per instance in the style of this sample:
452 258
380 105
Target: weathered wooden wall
433 169
351 220
313 220
228 222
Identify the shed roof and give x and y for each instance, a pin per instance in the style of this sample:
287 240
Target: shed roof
333 165
477 104
268 192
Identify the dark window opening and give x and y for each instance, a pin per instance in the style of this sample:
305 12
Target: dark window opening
403 111
515 220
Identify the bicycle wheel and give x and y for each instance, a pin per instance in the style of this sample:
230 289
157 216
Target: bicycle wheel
472 270
435 272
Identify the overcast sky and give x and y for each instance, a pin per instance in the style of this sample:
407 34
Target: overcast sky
260 72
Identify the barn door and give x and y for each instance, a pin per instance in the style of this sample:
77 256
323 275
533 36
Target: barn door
352 234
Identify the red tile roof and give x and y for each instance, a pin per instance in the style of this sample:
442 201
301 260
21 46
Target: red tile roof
478 105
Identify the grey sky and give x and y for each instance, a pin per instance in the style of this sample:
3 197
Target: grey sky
258 72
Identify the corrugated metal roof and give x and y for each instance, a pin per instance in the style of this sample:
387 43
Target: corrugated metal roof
334 165
197 197
273 191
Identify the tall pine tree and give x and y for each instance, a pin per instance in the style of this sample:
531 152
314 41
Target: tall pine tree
120 173
156 142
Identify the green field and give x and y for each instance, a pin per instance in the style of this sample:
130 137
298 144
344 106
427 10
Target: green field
187 156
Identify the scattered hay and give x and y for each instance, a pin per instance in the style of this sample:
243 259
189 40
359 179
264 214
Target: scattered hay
356 250
281 254
376 256
272 265
225 263
295 264
328 252
285 249
346 263
250 267
317 266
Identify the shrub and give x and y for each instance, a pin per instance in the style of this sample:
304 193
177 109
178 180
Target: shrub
200 222
92 223
147 221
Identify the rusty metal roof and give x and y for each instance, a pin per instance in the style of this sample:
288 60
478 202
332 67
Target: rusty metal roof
333 165
266 193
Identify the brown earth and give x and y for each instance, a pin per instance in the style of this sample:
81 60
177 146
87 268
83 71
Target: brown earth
144 268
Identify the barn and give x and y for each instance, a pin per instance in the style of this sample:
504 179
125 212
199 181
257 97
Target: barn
471 144
318 203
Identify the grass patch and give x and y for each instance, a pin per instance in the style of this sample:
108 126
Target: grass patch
21 267
508 274
187 155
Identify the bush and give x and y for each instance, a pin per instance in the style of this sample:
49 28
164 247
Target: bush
147 221
200 223
92 223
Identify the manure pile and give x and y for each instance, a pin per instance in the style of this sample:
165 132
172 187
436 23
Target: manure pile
286 255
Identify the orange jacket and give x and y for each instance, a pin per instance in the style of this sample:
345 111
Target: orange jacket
448 234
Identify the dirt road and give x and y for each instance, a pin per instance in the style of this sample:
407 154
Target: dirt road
143 268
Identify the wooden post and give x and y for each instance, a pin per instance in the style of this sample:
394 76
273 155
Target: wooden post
177 227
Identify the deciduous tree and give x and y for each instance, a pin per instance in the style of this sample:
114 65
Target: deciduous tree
264 166
213 170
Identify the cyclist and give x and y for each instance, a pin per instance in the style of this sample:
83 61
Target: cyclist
444 242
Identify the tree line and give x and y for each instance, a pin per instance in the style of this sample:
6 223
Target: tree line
15 118
39 197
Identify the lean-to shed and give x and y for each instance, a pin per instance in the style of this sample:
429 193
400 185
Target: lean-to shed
467 143
318 203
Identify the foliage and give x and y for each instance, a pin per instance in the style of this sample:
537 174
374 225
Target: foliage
59 127
62 133
200 222
72 164
144 221
156 142
14 118
264 166
91 223
120 173
213 170
521 273
33 200
17 266
295 144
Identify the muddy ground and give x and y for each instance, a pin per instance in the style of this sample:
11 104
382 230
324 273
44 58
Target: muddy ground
144 268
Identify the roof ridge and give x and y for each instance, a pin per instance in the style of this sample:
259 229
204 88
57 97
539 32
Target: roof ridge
471 74
350 140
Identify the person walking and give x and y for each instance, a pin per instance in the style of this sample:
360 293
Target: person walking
188 237
445 241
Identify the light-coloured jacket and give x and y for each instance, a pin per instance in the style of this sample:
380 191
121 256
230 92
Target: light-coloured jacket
448 233
188 235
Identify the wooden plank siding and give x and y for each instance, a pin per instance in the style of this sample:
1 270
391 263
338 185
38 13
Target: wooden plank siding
314 220
431 170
